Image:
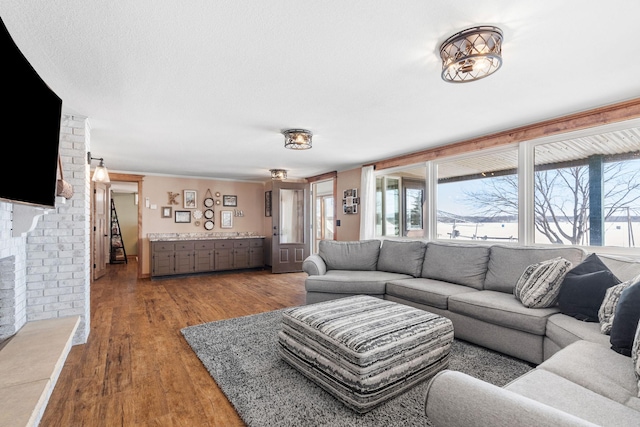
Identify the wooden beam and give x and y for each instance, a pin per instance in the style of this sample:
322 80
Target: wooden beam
322 177
622 111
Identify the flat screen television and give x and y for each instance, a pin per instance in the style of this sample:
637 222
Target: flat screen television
31 128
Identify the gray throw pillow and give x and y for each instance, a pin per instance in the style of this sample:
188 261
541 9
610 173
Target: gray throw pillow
404 257
358 255
539 285
609 303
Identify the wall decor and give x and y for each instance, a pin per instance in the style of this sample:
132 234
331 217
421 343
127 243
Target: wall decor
165 212
172 197
208 225
229 200
183 216
208 214
226 219
190 197
208 200
267 203
350 201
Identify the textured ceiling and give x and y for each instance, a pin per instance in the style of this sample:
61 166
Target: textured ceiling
204 88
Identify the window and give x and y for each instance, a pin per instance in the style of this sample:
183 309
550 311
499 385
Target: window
478 197
400 203
587 192
578 189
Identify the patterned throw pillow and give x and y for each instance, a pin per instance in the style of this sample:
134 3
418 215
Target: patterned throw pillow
609 303
539 285
635 356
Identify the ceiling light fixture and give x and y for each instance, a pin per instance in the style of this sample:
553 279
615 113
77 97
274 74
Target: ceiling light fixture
100 174
471 54
278 174
297 139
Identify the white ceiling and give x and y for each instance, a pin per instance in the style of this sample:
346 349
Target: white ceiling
204 88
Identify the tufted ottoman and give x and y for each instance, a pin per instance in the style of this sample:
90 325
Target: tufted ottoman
364 350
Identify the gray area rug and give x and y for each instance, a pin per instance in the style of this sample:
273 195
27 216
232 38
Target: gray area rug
242 357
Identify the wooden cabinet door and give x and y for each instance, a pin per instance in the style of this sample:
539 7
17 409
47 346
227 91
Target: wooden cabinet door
256 253
204 256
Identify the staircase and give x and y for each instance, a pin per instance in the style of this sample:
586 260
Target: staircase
117 253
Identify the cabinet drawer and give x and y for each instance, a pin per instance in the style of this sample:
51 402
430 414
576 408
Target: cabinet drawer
207 244
240 244
256 242
163 247
184 246
222 244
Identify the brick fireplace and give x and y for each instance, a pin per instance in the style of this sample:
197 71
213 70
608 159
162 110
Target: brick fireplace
45 273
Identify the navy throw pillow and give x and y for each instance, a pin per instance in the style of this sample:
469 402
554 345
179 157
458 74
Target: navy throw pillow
590 264
625 320
581 295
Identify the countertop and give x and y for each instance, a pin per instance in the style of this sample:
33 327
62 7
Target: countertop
165 237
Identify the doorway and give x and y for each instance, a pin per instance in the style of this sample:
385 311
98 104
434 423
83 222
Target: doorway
101 220
290 226
324 212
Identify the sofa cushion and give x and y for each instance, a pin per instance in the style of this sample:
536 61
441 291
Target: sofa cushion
635 356
434 293
352 282
502 309
564 330
361 255
506 263
456 263
539 284
402 257
626 319
581 295
607 310
624 268
597 368
565 395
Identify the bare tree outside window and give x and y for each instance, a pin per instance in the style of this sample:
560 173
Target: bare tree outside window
562 200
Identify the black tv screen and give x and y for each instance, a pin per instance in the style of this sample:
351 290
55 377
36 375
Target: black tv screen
33 111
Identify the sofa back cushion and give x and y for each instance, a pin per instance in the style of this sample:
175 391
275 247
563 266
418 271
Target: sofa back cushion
623 268
507 263
404 257
358 255
456 263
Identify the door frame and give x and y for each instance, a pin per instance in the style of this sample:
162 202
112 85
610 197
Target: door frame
124 177
275 219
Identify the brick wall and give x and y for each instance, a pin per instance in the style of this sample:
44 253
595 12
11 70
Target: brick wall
46 273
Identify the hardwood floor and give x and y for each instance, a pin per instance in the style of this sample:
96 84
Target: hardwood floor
136 369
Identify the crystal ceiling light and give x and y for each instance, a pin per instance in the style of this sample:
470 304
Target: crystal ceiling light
471 54
297 139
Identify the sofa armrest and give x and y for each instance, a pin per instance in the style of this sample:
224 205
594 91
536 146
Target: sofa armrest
456 399
314 265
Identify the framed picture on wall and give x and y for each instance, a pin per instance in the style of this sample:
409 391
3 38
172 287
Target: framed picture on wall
267 203
190 197
226 219
183 216
229 200
166 212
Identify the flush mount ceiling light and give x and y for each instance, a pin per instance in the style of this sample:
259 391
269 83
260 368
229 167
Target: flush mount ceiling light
100 174
278 174
471 54
297 139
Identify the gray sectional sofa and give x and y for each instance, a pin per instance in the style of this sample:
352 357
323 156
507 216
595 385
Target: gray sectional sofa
579 380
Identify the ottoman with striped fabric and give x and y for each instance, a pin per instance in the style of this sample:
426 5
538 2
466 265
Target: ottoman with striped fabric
364 350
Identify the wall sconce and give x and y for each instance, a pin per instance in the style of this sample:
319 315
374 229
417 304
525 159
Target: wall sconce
471 54
297 139
278 174
100 174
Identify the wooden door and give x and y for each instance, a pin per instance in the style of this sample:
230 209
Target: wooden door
290 225
100 229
